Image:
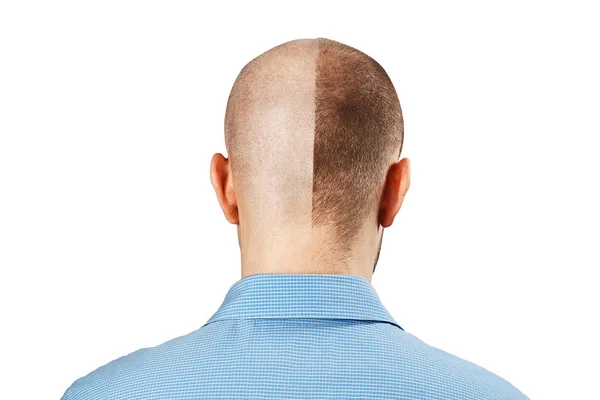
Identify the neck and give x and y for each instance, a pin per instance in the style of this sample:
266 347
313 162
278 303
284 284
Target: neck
285 250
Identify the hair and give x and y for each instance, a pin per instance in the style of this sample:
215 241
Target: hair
358 128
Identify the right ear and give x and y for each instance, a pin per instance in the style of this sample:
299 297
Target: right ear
396 185
222 183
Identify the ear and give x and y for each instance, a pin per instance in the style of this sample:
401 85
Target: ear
395 187
222 182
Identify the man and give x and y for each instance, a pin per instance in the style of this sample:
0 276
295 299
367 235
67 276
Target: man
313 130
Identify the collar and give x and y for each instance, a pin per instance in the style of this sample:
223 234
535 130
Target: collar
329 296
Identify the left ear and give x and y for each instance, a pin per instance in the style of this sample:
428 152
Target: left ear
222 183
396 185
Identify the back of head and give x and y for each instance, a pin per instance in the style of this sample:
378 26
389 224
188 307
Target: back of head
311 127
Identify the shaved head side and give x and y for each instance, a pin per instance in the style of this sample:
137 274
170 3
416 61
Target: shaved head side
269 121
311 127
359 131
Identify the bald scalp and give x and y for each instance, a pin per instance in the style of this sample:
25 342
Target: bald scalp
311 127
269 125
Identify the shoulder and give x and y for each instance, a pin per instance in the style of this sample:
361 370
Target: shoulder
433 370
135 373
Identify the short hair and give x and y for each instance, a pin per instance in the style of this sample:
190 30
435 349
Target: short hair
358 128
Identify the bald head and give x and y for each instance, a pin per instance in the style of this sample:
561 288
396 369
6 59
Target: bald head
311 127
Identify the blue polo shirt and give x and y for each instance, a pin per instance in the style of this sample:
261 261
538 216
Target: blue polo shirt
294 336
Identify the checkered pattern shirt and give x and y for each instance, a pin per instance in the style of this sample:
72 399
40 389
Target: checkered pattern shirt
294 336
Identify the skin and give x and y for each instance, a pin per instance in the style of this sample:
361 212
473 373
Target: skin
266 190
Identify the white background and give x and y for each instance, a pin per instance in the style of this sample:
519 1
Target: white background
111 238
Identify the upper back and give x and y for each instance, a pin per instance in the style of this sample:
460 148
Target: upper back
257 347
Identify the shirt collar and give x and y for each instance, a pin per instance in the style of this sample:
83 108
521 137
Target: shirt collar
330 296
